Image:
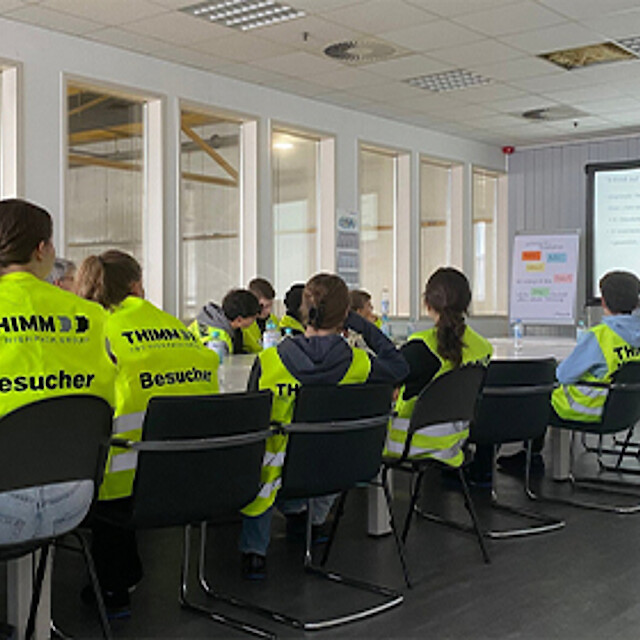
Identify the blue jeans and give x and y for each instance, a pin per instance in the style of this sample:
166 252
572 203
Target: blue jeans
256 531
41 512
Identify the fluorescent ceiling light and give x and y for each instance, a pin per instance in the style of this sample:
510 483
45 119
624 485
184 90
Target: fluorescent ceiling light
243 15
281 146
448 80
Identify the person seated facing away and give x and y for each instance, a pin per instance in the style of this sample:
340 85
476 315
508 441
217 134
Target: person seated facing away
599 353
291 321
360 303
320 356
155 355
26 258
265 294
238 311
450 344
62 274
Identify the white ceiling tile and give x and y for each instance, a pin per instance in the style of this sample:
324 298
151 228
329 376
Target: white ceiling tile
519 105
177 28
491 93
348 78
580 9
551 82
629 118
467 114
298 87
241 47
510 19
376 16
477 53
449 8
583 94
322 6
563 36
298 64
589 122
388 92
248 73
617 25
320 33
343 99
54 20
604 108
520 68
182 55
127 40
113 12
501 121
406 67
9 5
433 35
173 4
429 102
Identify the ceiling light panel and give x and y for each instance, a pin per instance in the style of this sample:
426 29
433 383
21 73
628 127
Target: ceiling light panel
448 80
631 43
244 15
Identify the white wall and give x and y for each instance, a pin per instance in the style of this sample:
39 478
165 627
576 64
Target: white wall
47 57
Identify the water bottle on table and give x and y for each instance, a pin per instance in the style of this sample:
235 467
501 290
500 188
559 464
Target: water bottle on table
218 345
271 336
518 334
581 329
385 327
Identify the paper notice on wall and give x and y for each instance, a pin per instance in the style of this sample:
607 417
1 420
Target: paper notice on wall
348 247
544 278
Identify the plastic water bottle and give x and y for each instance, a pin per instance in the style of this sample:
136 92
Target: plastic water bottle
518 334
411 329
271 336
218 345
581 329
385 327
288 332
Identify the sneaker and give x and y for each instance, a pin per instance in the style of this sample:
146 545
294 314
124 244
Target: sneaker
515 464
117 603
254 566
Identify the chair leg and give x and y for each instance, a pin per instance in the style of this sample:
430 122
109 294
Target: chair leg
334 527
394 529
412 504
474 517
186 603
37 590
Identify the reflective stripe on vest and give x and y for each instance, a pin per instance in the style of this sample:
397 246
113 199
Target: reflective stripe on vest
585 404
156 356
276 377
443 441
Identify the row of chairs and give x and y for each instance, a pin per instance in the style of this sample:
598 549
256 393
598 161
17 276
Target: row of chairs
216 444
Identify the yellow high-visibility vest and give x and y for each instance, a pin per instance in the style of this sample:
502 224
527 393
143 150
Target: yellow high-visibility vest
156 356
276 377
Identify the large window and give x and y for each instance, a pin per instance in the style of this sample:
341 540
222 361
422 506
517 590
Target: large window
440 211
8 131
383 203
489 267
105 187
210 208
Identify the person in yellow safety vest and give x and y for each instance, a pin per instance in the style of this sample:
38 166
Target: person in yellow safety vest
227 321
291 322
265 294
320 356
360 302
52 344
596 357
62 274
155 355
450 344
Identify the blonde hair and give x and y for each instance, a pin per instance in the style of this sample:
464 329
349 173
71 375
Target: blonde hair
107 278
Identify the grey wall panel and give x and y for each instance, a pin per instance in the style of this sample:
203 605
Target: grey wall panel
547 187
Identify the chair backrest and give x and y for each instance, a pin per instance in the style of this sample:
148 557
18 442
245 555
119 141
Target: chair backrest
450 397
336 438
515 401
59 439
193 463
622 407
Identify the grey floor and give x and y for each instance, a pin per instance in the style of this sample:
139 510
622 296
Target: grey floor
580 582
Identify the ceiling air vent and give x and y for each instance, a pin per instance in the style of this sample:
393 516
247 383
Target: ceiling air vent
551 114
581 57
362 51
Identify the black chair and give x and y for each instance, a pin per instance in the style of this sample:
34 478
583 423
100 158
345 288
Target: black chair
514 406
55 440
200 458
335 442
448 400
620 413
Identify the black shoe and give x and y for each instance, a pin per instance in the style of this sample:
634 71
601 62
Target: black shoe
117 603
254 566
515 464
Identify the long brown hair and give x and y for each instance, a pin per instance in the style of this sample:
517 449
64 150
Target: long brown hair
23 226
448 293
107 278
325 301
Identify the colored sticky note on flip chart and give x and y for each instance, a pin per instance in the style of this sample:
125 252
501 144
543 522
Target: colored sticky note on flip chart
535 266
557 257
531 255
563 277
540 292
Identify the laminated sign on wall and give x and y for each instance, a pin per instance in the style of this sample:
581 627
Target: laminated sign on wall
543 278
348 248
